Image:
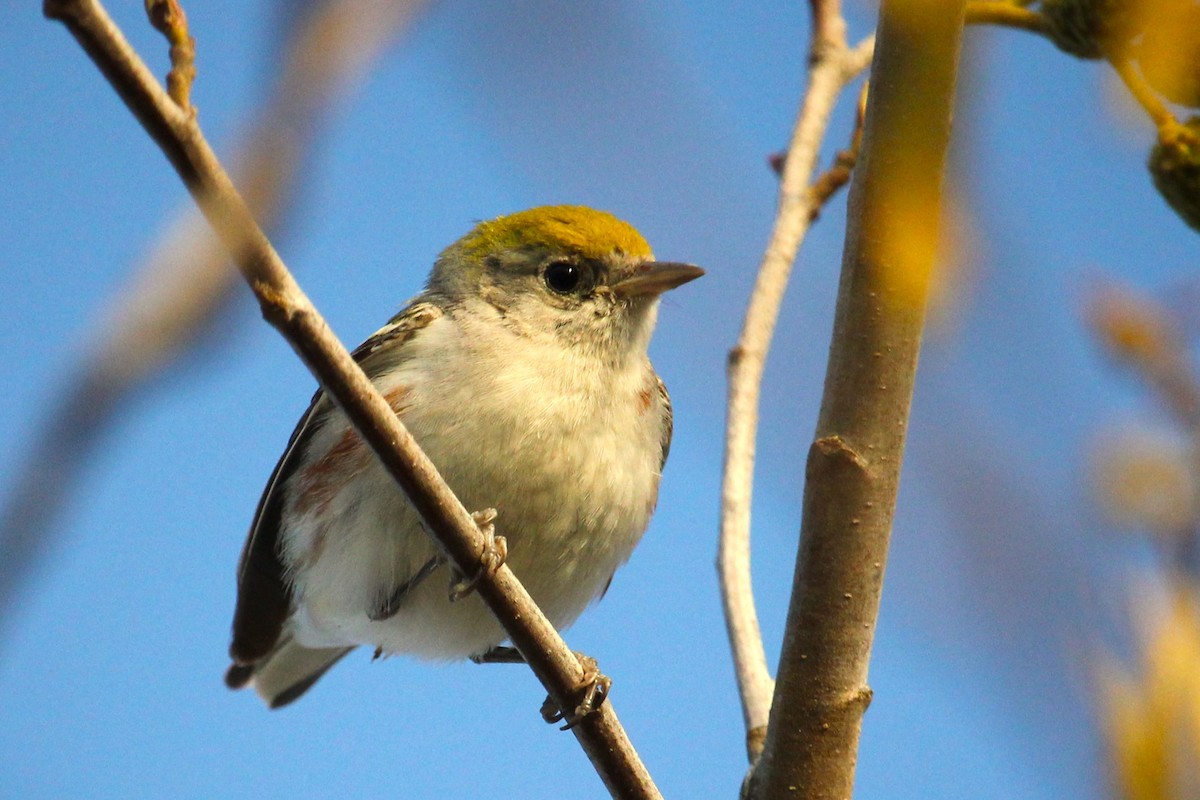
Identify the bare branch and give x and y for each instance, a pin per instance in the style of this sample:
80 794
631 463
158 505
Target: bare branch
287 308
828 27
1007 14
833 68
854 464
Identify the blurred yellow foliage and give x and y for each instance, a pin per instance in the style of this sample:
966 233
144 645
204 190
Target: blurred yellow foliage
1145 478
1153 715
903 249
905 205
1133 329
1168 51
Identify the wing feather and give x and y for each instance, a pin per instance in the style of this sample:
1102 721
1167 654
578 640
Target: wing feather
668 422
264 599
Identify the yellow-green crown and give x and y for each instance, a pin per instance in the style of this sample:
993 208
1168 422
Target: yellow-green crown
575 229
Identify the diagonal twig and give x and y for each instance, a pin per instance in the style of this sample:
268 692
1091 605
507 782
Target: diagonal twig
285 306
832 66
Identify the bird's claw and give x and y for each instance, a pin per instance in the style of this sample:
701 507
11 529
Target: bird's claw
388 608
592 690
495 553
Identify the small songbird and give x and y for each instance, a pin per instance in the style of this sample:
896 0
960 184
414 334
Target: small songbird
522 372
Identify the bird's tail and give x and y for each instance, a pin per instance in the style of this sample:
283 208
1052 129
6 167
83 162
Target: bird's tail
286 672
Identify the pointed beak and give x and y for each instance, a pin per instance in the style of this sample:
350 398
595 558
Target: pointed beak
655 277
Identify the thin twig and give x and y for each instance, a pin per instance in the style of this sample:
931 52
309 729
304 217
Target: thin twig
286 307
1006 14
833 68
853 467
1143 94
831 180
168 18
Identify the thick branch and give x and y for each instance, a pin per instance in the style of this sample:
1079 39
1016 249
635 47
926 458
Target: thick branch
834 67
286 307
854 464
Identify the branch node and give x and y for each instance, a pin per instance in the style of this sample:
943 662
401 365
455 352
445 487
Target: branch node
833 451
862 697
274 304
756 737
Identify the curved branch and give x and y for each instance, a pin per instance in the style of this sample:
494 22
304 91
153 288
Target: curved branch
832 67
286 307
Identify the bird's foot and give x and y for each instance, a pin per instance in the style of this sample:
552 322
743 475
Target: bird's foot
388 608
495 553
592 691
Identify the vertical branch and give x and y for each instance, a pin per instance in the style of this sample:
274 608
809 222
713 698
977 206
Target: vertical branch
854 464
832 66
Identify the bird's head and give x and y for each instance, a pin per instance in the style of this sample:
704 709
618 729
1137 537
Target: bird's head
570 272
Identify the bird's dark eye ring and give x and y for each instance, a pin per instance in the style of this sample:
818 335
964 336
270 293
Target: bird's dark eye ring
562 277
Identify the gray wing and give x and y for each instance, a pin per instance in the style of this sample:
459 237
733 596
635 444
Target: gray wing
264 598
668 422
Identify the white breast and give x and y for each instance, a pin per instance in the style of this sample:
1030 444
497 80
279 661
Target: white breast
567 453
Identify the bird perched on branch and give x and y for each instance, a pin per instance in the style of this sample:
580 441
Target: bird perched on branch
522 372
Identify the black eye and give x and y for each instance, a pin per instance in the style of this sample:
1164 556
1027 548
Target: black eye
563 277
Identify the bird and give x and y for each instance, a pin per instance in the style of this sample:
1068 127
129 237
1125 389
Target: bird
522 371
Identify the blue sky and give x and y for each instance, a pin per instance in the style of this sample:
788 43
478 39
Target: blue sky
1002 581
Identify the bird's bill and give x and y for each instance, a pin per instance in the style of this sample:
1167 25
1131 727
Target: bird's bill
656 277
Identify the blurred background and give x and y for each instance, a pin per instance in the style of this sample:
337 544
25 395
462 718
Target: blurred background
1019 595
